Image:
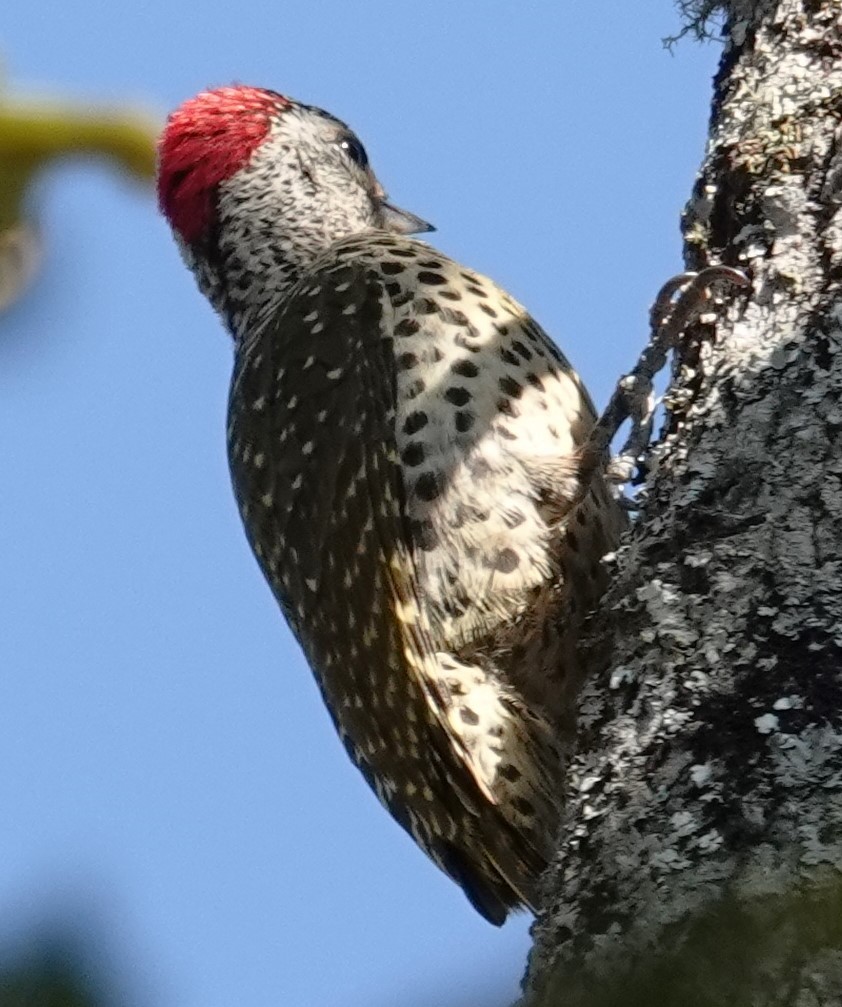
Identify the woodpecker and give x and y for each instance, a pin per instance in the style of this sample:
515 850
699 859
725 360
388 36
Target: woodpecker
404 448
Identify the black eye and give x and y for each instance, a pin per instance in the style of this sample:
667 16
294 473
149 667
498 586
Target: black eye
355 150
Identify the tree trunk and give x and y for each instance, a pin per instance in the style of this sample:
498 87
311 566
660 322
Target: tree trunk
700 855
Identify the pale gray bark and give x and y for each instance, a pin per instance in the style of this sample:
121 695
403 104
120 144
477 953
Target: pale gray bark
700 856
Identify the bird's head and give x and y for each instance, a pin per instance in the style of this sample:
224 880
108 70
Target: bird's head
256 186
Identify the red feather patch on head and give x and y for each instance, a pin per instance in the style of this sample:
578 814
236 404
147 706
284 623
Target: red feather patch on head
206 140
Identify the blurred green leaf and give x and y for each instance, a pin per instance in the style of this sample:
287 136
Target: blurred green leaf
33 134
52 973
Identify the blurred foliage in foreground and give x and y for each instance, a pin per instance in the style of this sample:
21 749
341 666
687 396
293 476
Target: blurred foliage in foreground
50 974
33 134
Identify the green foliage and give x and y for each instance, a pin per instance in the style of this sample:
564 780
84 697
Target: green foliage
35 134
49 975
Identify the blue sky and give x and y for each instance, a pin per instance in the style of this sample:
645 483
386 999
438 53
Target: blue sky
169 778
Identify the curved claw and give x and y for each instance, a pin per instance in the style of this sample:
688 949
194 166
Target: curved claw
663 301
710 274
670 326
694 287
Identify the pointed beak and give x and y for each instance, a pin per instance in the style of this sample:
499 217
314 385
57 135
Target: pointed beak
402 221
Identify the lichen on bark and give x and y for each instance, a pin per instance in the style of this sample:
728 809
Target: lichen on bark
700 854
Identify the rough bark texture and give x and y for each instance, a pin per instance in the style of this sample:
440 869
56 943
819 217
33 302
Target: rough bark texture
699 860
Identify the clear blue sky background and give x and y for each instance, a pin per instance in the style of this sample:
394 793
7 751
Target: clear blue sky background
169 780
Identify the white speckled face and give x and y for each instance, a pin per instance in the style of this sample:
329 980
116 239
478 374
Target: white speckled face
311 174
256 188
306 186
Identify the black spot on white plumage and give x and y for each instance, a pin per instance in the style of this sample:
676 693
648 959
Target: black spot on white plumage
428 486
463 420
457 395
413 454
406 327
465 368
415 421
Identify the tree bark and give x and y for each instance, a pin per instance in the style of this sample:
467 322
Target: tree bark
700 856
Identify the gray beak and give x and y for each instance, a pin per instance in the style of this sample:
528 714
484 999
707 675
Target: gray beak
403 222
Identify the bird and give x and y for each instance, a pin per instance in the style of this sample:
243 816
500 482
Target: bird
405 448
